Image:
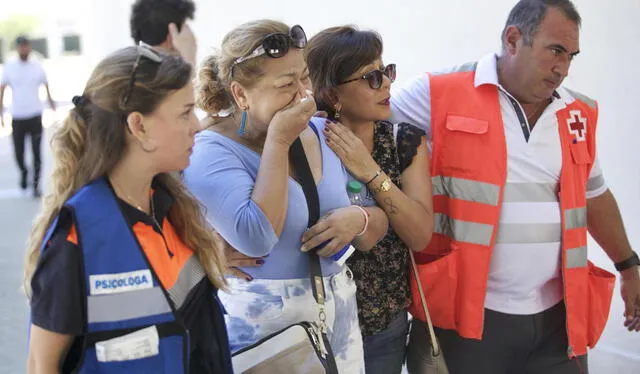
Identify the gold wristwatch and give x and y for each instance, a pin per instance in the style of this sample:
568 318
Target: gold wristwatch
385 186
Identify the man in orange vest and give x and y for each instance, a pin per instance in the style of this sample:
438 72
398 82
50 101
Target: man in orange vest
517 186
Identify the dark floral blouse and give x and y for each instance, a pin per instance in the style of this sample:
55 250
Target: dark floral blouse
382 274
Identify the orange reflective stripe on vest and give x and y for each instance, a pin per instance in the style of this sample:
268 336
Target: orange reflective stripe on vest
178 272
469 169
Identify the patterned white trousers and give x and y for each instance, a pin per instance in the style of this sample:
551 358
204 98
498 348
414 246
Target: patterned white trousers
261 307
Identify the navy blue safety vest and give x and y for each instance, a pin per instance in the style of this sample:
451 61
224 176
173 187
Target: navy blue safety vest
123 294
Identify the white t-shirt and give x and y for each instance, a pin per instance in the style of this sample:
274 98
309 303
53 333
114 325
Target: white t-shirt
25 79
525 274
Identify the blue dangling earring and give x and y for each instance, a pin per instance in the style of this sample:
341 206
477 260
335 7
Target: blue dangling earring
243 123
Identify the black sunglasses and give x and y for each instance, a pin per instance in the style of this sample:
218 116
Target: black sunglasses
144 50
277 45
375 78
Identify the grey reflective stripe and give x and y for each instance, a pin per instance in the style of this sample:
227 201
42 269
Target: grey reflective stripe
585 99
190 275
527 233
464 68
463 231
466 189
530 193
595 183
575 218
577 257
127 305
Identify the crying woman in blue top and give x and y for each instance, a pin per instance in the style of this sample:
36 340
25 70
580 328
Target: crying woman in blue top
256 93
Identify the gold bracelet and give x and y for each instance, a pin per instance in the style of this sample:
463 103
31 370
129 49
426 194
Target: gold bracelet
385 186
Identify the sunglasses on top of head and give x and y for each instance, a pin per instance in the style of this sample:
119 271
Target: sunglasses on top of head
146 51
277 45
375 78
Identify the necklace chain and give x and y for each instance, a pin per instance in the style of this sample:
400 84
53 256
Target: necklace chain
131 201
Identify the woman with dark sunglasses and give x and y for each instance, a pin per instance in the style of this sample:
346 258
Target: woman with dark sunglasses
391 161
123 268
256 92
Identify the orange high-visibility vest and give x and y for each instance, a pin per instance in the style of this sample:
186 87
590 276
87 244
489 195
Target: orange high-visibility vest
469 171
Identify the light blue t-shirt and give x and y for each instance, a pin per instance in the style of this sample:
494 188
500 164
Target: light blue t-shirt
222 175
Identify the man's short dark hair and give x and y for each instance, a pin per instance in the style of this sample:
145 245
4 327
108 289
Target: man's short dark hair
150 19
22 40
528 14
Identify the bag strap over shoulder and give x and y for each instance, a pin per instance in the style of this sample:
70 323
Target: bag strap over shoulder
303 172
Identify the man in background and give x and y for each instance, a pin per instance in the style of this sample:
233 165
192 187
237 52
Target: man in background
162 24
25 76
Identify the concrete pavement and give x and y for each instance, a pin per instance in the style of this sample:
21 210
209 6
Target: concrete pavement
18 211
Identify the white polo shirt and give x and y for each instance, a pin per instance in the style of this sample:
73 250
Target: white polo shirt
525 275
25 79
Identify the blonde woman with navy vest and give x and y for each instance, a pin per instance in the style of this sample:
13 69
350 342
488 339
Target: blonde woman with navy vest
123 270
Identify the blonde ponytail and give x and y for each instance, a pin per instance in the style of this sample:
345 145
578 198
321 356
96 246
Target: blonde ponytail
67 144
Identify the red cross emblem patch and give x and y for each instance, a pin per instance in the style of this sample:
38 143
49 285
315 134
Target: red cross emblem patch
577 125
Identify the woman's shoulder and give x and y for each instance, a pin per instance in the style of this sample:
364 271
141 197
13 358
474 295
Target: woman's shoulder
400 128
407 129
317 124
210 137
64 232
208 142
212 152
408 140
385 124
313 135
